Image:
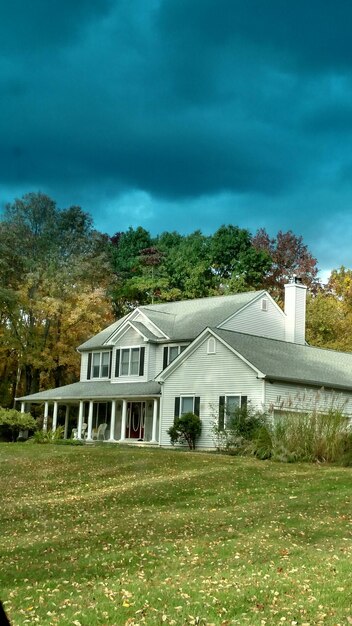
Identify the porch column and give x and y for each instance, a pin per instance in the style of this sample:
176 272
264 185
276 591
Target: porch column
155 418
123 420
67 414
46 413
112 421
55 416
90 421
80 420
23 407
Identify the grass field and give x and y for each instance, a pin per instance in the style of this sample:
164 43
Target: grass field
110 535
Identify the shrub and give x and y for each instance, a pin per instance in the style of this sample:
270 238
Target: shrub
186 428
246 432
313 436
48 436
12 422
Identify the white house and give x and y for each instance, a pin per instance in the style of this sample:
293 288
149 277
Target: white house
162 360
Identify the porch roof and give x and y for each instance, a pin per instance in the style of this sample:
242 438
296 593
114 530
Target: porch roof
91 390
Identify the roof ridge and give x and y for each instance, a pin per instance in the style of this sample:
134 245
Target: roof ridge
291 343
226 295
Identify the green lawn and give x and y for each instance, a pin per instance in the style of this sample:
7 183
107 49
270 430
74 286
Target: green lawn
108 535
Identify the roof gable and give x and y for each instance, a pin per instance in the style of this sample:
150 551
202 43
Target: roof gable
183 356
177 321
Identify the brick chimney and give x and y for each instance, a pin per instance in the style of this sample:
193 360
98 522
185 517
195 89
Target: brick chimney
295 310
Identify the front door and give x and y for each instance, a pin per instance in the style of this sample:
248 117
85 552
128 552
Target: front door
135 420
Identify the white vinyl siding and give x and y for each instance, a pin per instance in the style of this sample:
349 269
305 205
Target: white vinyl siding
253 320
229 375
129 338
150 367
84 366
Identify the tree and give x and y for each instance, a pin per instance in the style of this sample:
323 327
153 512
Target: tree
329 313
13 421
236 263
290 256
53 270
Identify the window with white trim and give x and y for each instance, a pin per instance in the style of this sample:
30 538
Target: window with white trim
129 361
228 405
211 348
99 365
171 353
186 404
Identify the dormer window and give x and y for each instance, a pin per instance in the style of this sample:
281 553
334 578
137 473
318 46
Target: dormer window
264 304
99 365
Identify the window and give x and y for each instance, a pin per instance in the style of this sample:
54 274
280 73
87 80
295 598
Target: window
170 354
227 408
186 404
99 365
211 345
129 362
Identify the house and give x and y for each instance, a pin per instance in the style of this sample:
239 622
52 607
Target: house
162 360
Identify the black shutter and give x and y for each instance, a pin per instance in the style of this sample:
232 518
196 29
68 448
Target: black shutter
117 364
141 361
110 364
89 365
196 405
221 412
165 357
243 402
177 407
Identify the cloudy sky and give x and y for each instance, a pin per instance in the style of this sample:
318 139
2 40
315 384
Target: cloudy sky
183 114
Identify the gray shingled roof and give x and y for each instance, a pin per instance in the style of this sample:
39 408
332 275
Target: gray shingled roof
291 362
92 390
182 320
145 331
98 341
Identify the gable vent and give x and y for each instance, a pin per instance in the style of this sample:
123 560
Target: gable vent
264 304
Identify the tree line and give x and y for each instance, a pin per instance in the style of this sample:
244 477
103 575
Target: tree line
62 281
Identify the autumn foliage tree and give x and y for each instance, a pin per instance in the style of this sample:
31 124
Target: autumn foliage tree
289 256
53 275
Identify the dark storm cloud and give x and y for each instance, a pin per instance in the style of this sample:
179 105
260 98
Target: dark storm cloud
186 110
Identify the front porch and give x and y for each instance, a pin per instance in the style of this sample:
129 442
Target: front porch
119 420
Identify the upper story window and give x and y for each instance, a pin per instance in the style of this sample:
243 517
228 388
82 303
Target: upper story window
211 348
129 362
171 352
264 304
99 364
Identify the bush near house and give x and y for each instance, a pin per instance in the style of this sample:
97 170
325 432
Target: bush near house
12 422
312 436
186 428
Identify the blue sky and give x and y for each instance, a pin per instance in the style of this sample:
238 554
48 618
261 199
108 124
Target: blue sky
183 114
